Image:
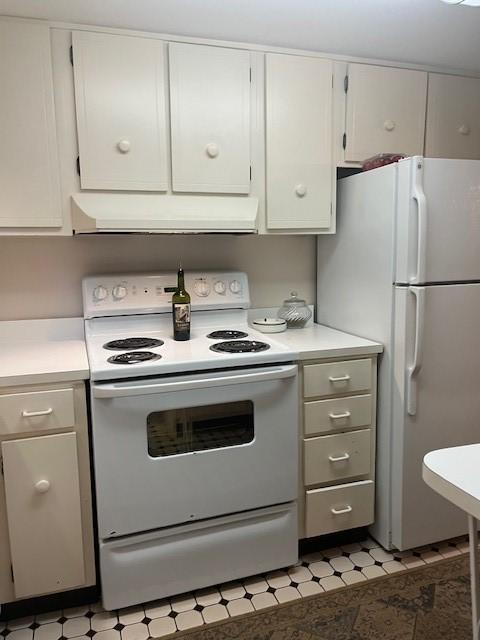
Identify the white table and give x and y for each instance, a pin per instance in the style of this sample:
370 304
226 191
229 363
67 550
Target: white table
454 473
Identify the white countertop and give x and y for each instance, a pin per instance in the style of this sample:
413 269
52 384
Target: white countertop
38 351
453 473
318 341
53 350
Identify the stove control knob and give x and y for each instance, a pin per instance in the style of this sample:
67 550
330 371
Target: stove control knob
100 293
235 287
202 288
220 287
119 292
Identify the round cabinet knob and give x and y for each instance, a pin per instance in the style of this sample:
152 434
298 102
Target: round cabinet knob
100 293
119 292
464 130
123 146
220 287
202 288
235 287
42 486
301 190
212 150
389 125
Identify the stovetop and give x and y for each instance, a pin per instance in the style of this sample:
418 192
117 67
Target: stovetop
198 353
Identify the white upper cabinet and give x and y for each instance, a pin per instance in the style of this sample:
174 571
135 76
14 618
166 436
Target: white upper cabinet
210 118
29 170
121 111
385 111
453 117
299 163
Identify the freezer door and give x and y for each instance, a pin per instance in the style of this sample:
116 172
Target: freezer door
438 221
436 402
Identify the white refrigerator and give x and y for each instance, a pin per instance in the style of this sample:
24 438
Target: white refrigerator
404 269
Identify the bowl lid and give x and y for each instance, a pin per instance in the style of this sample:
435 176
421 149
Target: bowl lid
268 322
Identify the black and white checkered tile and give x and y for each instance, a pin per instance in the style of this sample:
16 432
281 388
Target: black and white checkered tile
316 572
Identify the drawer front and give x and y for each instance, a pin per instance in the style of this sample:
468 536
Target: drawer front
36 411
337 414
337 457
339 508
334 378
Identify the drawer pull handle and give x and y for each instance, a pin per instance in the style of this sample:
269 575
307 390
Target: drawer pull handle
345 456
42 486
344 378
339 512
339 416
34 414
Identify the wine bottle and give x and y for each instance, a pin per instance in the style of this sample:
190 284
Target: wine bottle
181 309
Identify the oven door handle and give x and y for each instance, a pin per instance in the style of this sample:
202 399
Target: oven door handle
145 387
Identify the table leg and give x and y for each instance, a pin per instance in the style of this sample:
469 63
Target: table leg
474 582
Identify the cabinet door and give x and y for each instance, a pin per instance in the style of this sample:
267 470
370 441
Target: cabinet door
121 111
385 111
210 118
453 117
29 169
299 142
43 512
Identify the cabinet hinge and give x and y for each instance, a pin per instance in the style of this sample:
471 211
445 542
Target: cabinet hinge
345 84
250 173
71 55
78 165
344 142
11 572
250 74
1 466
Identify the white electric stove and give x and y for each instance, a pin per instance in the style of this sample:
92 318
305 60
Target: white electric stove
195 442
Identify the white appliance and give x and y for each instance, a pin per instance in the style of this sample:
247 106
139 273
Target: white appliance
195 447
404 269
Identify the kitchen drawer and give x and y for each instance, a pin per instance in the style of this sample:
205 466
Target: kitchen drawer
337 457
334 378
338 508
36 411
321 416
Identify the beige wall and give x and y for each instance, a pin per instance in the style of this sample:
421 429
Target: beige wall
41 277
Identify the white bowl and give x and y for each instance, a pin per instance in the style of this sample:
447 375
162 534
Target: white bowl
269 325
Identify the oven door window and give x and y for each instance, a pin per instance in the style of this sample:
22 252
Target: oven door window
217 426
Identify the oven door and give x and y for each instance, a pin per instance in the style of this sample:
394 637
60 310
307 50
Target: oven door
184 448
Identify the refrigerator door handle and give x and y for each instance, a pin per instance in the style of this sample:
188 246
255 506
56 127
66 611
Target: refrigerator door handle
418 195
414 368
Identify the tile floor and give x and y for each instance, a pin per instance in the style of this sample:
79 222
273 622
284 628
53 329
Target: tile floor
316 572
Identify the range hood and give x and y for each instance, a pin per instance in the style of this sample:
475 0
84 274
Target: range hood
156 213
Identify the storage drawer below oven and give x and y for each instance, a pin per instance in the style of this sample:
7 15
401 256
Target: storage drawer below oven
163 563
338 508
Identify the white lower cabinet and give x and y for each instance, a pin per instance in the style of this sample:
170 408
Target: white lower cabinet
46 524
43 512
338 443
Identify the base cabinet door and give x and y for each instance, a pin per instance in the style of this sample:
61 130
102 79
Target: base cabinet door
210 118
121 111
29 170
43 513
299 142
385 111
453 117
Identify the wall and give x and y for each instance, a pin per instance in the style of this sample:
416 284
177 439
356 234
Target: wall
41 277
